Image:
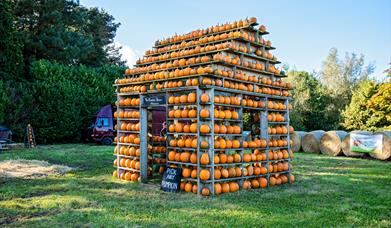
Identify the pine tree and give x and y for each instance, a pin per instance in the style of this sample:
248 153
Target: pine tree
61 30
11 59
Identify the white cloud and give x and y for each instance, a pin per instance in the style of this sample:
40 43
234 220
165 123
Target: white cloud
129 54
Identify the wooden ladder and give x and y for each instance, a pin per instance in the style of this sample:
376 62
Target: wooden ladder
29 139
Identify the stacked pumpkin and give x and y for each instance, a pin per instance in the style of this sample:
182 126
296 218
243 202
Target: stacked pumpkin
183 129
200 53
157 152
233 68
128 140
227 142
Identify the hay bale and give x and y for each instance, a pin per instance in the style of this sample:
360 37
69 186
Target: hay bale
385 153
346 145
310 142
331 143
296 138
30 169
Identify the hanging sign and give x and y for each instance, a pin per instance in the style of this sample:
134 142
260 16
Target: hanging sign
158 99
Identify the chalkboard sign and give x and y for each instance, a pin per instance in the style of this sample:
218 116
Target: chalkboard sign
154 100
171 179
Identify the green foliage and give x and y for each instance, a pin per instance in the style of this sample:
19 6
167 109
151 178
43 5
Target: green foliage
67 96
58 97
18 107
11 59
340 78
4 101
62 31
380 105
370 108
356 114
247 124
309 101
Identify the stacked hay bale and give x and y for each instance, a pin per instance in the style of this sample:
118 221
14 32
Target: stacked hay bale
331 142
296 138
385 153
346 145
311 141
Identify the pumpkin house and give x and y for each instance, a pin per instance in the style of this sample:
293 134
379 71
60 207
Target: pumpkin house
208 83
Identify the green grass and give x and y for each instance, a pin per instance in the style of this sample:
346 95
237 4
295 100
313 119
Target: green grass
328 192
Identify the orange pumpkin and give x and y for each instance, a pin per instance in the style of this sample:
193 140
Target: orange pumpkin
191 98
204 98
204 160
204 174
204 129
204 113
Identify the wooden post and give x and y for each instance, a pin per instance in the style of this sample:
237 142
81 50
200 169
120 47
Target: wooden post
143 143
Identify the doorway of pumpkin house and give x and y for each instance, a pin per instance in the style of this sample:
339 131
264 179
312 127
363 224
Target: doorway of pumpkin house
153 136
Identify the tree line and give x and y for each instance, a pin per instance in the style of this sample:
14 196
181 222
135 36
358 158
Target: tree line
342 96
58 64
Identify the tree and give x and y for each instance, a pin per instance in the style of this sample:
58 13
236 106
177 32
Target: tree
11 68
67 97
380 105
11 59
62 31
59 96
370 108
102 29
341 77
356 115
310 102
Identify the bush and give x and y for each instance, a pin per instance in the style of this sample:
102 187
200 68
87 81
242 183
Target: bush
66 97
310 102
370 108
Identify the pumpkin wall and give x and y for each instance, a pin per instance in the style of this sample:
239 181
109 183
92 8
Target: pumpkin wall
211 78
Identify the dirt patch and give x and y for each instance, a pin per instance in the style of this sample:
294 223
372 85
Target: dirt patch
30 169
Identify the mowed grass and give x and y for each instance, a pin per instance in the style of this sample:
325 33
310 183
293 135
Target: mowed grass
329 192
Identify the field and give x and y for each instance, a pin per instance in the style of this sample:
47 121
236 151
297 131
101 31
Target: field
329 192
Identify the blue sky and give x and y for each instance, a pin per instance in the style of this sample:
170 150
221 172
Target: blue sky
303 31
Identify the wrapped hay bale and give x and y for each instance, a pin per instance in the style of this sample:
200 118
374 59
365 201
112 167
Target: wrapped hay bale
331 143
296 138
385 152
310 142
346 145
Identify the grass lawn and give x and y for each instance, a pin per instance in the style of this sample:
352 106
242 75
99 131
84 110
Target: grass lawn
329 192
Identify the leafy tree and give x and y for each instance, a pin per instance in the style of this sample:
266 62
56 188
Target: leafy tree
67 96
309 102
18 107
100 26
4 100
370 108
62 31
15 101
380 106
59 96
356 115
340 78
11 59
